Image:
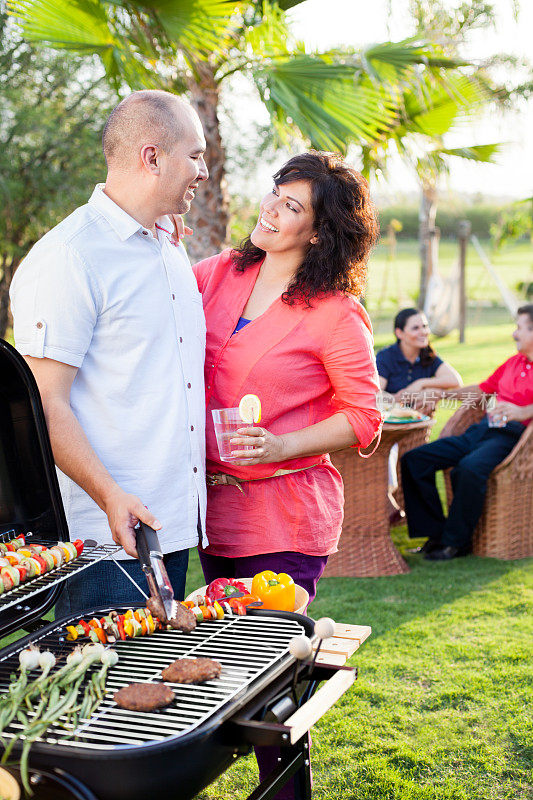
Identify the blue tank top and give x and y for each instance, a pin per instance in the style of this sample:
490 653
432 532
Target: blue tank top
241 323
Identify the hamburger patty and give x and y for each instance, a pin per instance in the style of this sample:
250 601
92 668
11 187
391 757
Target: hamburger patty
192 670
183 619
144 696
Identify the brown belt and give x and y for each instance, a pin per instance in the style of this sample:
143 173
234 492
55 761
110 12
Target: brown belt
222 479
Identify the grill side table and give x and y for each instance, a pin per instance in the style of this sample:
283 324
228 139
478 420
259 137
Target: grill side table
365 546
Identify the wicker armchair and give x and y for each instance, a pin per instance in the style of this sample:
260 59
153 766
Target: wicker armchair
505 529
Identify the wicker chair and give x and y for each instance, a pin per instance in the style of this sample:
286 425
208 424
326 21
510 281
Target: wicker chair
505 530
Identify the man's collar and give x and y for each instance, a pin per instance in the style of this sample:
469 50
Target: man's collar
121 222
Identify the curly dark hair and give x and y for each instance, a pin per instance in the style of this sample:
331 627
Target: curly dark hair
346 225
427 354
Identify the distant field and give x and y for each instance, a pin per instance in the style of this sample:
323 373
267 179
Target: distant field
397 286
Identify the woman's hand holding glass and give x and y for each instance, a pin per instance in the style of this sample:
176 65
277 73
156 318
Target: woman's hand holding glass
268 448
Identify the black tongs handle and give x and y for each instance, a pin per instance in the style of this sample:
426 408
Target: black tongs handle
147 541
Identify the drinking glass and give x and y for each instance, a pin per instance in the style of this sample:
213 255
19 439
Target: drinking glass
494 422
227 422
385 402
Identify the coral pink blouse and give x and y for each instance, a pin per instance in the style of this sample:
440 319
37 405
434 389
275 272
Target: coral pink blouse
305 364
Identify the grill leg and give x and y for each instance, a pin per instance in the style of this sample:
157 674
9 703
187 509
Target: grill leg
295 763
302 779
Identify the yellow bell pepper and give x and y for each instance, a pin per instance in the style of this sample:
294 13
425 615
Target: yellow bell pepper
276 591
72 633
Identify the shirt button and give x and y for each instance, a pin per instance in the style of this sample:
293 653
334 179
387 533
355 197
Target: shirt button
195 469
188 386
528 366
181 340
145 233
192 427
208 385
522 374
39 325
173 296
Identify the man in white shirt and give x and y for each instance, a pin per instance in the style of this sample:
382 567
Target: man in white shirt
108 315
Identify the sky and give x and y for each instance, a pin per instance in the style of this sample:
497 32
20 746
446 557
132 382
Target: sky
360 22
349 22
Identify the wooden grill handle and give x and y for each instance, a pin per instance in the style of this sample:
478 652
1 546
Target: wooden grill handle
306 716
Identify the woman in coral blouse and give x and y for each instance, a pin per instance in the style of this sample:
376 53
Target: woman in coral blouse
283 323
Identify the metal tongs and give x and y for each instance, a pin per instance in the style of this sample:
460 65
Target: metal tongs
151 558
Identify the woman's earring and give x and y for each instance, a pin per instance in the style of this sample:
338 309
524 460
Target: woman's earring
314 240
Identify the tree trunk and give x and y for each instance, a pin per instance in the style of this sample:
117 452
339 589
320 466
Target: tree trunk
209 214
428 237
8 267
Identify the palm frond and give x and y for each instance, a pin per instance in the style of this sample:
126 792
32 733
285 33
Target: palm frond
286 4
322 101
270 35
482 153
388 60
80 25
196 25
434 107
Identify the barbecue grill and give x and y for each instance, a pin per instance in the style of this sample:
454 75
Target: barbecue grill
264 695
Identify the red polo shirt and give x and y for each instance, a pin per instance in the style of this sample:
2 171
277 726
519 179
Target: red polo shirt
512 382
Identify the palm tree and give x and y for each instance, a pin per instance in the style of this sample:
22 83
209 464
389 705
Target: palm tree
329 99
431 110
428 112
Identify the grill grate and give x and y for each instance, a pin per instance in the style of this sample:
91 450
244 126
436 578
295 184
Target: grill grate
40 583
246 647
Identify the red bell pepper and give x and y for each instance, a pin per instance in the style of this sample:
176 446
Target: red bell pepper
78 544
120 623
222 588
42 563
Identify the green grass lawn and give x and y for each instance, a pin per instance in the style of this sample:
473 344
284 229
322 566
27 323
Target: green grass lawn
442 706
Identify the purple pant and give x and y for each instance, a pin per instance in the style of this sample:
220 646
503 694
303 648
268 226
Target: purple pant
305 571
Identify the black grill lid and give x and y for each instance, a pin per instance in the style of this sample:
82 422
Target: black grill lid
29 491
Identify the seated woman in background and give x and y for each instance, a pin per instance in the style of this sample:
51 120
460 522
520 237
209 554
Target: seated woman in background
413 374
410 369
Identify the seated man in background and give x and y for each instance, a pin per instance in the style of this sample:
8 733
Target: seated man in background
472 456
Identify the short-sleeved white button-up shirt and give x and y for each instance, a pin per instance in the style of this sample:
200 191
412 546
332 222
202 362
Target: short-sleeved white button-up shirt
100 293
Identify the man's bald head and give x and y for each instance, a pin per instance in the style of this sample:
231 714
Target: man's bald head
145 117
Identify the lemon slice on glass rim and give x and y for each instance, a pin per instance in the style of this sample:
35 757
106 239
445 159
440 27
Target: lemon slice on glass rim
250 409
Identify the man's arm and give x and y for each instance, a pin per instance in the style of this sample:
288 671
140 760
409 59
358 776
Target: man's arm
75 457
472 392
